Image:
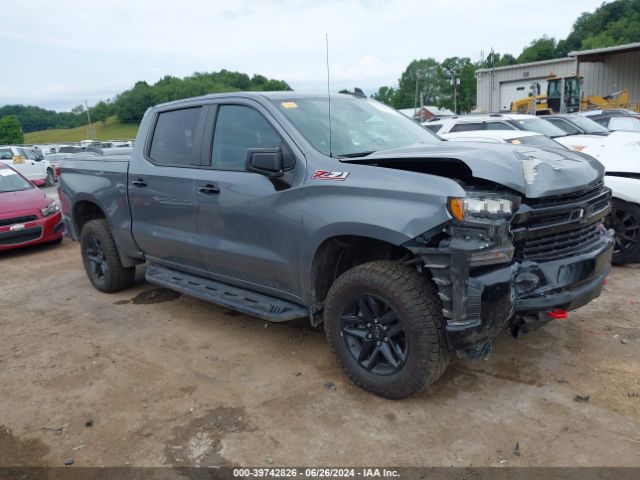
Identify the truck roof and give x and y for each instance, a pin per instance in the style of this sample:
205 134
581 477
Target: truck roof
286 94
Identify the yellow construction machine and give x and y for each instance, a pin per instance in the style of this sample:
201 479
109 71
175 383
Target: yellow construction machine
564 96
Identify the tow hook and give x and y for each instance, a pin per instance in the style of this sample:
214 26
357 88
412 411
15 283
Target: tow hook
558 314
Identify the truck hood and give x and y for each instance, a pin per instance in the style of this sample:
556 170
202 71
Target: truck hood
532 171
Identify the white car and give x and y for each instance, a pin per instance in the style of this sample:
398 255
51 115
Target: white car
622 165
507 121
25 161
514 137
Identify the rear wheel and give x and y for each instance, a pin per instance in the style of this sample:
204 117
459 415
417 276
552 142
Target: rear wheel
384 323
101 260
624 225
51 178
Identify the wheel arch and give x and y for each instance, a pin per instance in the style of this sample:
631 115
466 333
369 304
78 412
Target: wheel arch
338 253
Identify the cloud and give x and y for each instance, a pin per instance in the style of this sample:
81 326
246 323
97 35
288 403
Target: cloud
96 46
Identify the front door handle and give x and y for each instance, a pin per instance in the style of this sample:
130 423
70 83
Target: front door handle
139 183
208 189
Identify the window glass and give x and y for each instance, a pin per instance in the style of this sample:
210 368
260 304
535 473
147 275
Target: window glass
10 181
625 123
538 125
6 154
433 128
466 127
358 126
564 125
238 129
500 126
29 154
174 137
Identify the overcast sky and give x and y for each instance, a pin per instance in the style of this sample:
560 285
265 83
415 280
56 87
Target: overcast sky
57 53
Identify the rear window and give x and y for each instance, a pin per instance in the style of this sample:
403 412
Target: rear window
500 126
174 141
10 181
6 154
433 128
466 127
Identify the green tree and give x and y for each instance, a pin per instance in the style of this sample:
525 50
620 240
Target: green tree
422 76
385 95
465 91
543 48
101 111
11 130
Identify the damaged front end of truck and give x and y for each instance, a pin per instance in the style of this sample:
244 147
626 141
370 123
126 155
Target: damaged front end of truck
519 256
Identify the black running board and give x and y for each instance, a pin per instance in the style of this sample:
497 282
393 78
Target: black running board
245 301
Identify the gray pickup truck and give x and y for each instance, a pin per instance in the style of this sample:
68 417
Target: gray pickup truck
409 248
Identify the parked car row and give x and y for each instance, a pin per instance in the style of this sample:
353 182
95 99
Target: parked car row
617 150
33 167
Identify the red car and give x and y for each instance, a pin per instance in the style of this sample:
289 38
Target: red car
27 215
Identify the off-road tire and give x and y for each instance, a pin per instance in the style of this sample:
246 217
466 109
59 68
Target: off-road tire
116 277
631 229
414 298
50 180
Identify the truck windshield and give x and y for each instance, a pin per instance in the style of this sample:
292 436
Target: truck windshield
10 181
538 125
358 126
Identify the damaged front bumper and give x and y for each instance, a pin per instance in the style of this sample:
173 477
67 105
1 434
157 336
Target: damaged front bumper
498 275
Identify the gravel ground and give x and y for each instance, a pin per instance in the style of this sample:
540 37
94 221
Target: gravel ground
147 377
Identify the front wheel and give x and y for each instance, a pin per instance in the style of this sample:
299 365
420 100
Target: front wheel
385 326
624 225
101 260
50 181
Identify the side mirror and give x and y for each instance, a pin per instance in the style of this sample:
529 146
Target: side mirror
266 161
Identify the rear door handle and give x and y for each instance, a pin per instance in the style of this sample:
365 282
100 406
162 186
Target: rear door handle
139 183
208 189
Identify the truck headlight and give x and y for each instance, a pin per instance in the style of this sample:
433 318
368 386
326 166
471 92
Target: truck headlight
49 209
481 205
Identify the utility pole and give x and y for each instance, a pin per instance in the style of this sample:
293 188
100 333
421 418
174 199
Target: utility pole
455 81
91 133
415 100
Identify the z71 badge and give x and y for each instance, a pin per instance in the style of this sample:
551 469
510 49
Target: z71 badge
329 175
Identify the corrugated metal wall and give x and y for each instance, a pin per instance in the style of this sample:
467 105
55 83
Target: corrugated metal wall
488 98
618 71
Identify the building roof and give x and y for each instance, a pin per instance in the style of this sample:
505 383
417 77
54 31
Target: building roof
525 65
410 112
598 53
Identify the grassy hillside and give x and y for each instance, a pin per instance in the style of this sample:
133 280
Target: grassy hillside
111 131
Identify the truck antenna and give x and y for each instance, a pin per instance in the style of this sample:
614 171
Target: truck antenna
326 36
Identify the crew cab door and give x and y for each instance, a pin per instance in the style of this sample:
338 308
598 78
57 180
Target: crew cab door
249 225
161 188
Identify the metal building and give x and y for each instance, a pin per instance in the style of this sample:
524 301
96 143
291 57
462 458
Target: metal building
604 71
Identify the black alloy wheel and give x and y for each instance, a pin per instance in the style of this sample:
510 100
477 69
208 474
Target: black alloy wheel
374 334
96 257
624 225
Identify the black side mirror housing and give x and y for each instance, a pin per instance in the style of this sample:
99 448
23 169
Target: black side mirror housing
265 161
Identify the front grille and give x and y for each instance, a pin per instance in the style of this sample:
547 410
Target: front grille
13 221
562 226
565 244
22 236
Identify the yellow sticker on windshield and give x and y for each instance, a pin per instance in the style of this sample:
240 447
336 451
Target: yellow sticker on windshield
289 105
515 141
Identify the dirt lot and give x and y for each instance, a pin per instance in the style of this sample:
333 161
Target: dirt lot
164 379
